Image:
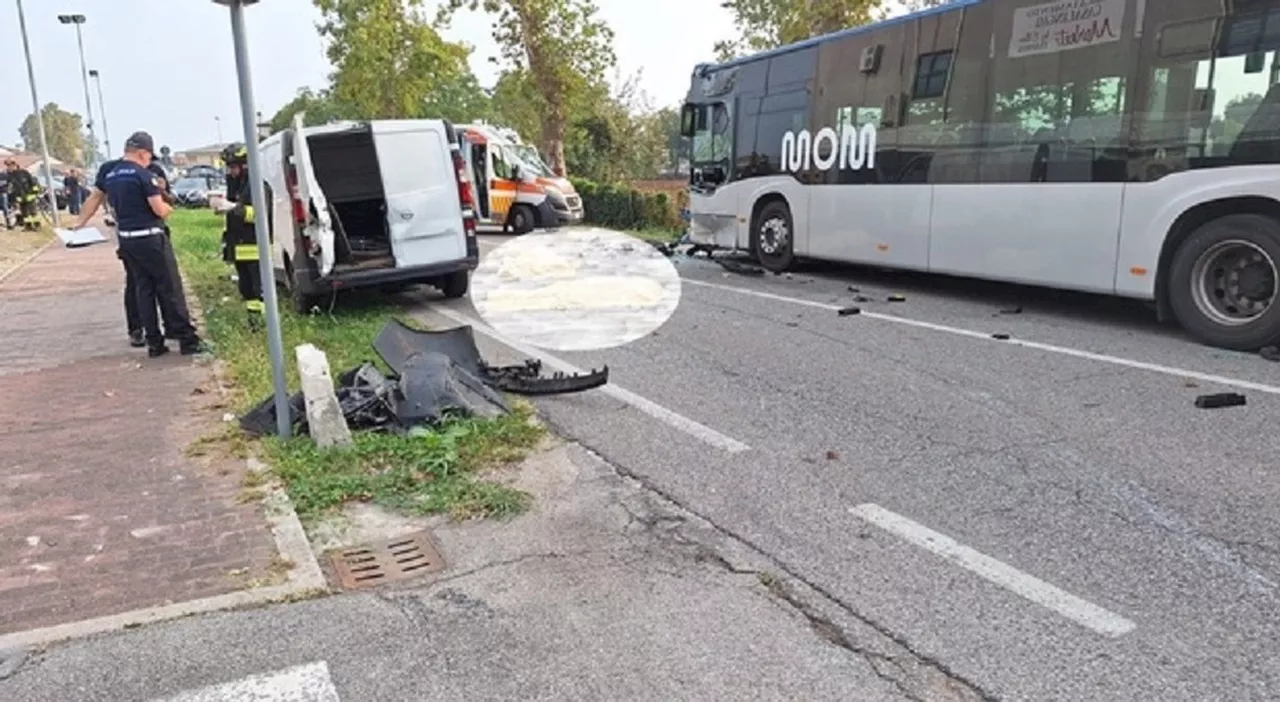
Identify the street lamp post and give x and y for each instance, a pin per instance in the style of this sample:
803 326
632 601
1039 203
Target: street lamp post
102 112
78 20
275 344
217 124
35 104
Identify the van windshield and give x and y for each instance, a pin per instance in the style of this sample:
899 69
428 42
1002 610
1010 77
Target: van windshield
528 157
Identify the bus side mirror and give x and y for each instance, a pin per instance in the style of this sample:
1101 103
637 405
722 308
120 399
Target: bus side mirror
688 120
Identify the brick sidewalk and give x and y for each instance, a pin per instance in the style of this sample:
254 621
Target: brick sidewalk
101 510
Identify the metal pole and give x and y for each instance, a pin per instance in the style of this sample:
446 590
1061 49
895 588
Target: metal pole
275 344
35 103
102 111
92 157
217 123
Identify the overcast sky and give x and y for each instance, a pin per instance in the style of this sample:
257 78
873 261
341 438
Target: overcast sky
167 67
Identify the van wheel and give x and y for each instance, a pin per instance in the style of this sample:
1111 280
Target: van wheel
453 285
521 219
773 237
1224 281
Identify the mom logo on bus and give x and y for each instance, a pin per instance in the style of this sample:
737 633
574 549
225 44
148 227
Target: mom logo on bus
852 147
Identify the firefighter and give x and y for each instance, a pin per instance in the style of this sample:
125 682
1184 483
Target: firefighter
239 240
23 192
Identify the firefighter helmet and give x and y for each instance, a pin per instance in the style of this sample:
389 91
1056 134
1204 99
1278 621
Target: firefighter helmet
235 155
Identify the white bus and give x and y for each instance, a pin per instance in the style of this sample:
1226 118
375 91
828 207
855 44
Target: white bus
1126 147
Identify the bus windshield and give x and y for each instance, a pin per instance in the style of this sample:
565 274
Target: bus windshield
712 137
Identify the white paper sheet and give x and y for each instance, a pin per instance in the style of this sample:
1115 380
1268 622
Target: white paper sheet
80 237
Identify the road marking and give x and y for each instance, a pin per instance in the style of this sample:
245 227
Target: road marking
649 407
1028 586
304 683
986 336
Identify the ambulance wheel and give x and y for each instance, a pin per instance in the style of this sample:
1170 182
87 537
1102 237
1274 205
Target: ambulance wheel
522 219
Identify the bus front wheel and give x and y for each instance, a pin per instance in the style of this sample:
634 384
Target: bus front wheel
1225 279
773 237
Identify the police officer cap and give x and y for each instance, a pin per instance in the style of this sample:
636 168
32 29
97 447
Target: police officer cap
235 155
140 141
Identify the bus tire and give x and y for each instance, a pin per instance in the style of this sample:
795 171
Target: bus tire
521 219
773 236
1224 282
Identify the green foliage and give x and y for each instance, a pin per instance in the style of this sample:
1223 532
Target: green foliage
65 130
562 47
320 107
622 207
389 63
766 24
432 471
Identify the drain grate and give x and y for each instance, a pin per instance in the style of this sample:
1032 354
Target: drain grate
388 561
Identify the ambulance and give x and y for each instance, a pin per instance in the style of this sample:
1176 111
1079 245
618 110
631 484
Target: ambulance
515 190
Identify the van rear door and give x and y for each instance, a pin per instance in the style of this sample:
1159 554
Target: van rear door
318 228
421 186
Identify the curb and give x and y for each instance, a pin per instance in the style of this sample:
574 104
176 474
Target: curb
19 265
305 579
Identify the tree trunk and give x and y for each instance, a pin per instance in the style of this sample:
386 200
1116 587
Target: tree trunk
553 127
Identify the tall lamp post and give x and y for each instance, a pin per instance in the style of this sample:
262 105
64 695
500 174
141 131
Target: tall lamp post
35 105
102 111
78 20
275 344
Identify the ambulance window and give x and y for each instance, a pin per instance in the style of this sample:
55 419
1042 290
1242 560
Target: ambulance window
501 166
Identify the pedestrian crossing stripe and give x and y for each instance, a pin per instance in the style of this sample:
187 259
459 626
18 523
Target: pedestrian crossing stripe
304 683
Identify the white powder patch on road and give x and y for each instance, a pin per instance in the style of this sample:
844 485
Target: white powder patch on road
576 289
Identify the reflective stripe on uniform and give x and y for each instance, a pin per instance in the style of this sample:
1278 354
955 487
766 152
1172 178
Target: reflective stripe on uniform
255 306
246 252
248 214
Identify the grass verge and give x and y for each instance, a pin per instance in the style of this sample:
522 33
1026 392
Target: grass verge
19 244
431 472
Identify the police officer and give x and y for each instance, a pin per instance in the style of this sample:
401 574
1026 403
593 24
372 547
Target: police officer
140 210
170 199
239 240
23 192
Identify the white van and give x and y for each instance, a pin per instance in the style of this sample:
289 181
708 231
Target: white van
355 204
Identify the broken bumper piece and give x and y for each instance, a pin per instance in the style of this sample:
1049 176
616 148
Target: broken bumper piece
434 375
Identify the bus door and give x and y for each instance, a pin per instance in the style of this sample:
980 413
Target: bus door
860 209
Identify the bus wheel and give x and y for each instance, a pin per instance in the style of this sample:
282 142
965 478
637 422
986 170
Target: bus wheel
772 237
1224 281
521 219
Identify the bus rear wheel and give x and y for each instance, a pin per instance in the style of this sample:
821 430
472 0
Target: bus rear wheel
1224 282
772 237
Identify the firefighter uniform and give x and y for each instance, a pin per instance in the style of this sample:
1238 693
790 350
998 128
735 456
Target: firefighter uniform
239 240
23 193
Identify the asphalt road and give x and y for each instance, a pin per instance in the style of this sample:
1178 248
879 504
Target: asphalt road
1048 516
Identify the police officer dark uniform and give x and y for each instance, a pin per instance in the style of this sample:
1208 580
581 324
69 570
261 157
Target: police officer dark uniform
239 240
23 192
135 197
170 257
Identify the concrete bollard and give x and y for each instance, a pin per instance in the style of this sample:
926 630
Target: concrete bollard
324 415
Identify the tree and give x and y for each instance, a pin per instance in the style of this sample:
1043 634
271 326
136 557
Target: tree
64 129
766 24
388 61
319 107
560 46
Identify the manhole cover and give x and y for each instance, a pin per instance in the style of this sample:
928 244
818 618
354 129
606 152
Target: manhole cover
394 559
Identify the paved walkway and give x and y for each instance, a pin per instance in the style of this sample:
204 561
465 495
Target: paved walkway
101 509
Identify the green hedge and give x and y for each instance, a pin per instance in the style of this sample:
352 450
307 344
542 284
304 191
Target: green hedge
621 207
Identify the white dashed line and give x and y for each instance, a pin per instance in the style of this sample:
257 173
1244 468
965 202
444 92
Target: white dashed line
1064 603
674 419
304 683
986 336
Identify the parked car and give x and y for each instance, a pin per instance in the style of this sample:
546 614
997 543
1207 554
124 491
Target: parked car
202 171
193 191
356 204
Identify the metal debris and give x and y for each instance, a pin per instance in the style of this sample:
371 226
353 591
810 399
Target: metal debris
395 559
849 311
1224 399
739 268
1000 337
1011 310
1270 353
896 298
